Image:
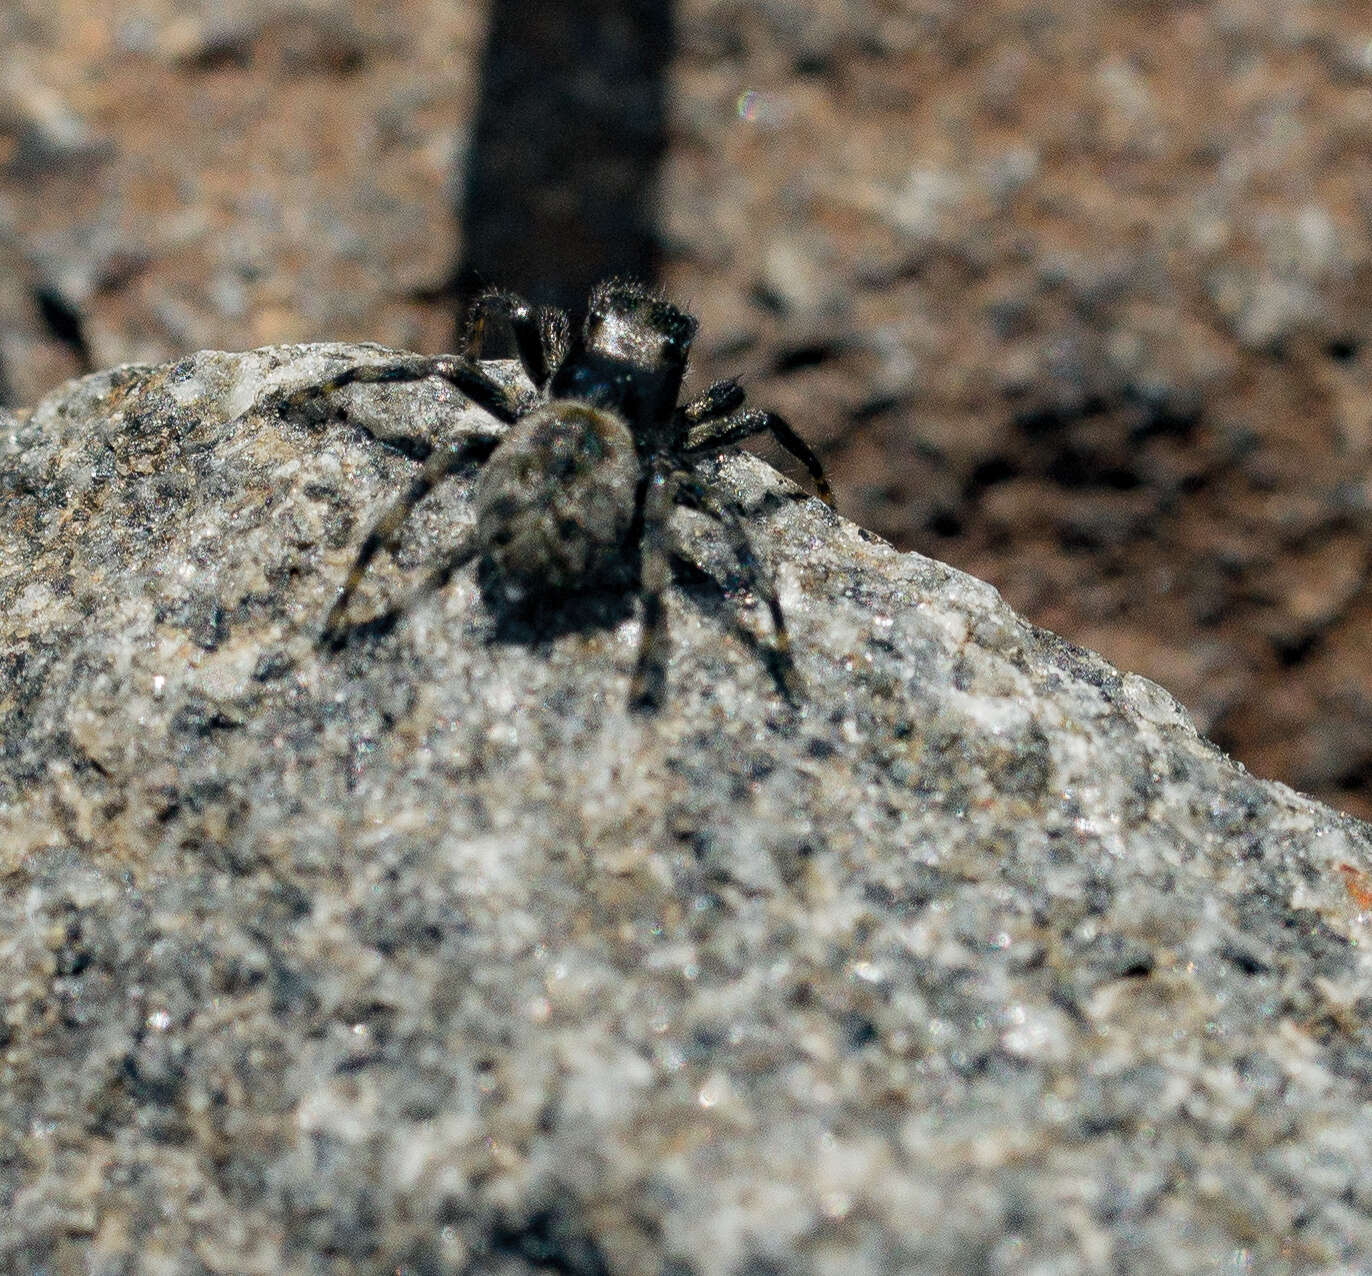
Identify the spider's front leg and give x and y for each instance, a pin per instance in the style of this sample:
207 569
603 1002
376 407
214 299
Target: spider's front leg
720 399
540 332
386 533
717 419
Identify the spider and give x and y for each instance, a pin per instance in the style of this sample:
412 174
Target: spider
591 467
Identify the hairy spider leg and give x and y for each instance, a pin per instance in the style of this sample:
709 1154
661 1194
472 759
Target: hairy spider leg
386 533
466 376
539 331
719 400
655 573
556 330
755 576
711 436
436 580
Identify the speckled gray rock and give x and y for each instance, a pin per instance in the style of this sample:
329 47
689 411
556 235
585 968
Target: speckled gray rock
427 956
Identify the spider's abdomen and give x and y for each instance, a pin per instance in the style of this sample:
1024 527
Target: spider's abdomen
555 502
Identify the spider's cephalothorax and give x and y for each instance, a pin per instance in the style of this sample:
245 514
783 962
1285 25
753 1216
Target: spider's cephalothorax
583 483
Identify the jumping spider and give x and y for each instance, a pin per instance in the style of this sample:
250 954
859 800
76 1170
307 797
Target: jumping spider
592 466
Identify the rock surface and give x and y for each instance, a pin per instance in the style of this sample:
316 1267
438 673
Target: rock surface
1073 294
427 956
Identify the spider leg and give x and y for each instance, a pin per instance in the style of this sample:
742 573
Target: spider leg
481 389
540 332
711 436
719 400
466 376
386 533
557 334
431 584
655 572
755 576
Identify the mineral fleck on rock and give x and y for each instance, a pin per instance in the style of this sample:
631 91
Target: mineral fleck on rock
426 955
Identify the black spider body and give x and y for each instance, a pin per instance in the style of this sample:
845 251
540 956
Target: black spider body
555 503
629 357
582 485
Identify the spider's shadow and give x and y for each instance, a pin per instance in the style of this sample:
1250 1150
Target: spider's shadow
552 616
613 602
540 619
604 605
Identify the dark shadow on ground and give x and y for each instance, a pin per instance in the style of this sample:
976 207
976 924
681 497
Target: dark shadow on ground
568 140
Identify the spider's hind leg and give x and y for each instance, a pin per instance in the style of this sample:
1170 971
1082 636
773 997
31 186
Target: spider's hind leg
655 573
386 533
756 577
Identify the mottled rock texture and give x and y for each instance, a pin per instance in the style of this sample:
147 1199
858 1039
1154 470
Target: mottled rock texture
1074 295
427 956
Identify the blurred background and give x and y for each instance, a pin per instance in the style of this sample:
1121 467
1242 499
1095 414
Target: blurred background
1072 294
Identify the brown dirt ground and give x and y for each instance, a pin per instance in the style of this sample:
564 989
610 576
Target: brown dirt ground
1073 294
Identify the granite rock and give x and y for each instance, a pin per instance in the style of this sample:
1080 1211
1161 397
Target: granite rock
427 956
1073 295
